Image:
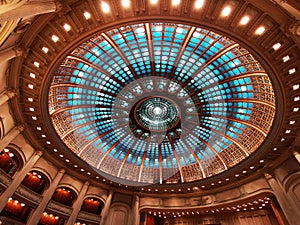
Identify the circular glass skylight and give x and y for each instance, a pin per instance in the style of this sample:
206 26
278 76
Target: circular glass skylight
156 114
157 103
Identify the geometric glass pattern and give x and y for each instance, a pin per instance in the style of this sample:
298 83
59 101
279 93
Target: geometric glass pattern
154 103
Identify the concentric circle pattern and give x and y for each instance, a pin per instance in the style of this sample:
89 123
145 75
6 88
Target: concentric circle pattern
156 114
157 103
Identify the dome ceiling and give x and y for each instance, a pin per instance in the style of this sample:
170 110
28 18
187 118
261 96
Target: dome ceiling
155 103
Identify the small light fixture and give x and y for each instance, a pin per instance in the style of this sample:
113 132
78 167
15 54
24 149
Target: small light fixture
295 87
226 11
286 58
105 7
67 27
199 4
260 30
153 1
244 20
175 2
36 64
87 15
45 49
54 38
125 3
291 71
276 46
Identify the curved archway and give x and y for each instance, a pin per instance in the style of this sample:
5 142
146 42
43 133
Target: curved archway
92 205
36 181
64 195
11 159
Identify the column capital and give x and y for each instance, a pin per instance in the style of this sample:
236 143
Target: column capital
10 93
21 127
86 183
39 152
20 51
61 171
269 175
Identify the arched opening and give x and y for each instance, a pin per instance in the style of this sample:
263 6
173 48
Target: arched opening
9 162
64 196
92 205
16 210
35 181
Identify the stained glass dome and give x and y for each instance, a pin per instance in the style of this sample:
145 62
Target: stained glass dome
156 103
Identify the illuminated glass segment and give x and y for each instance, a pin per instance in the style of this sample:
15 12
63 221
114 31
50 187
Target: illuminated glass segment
223 97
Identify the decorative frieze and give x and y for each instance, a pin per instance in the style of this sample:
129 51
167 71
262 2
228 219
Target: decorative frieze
59 208
29 194
88 217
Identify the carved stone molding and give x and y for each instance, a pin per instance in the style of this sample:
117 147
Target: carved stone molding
7 221
59 208
29 194
89 217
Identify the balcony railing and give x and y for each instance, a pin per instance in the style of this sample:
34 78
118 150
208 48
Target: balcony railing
89 217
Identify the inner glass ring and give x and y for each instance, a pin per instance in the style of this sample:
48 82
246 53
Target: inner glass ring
156 114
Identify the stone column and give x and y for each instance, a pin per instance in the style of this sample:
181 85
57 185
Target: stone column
286 204
31 8
10 136
106 208
77 204
11 53
47 195
7 94
135 210
19 178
